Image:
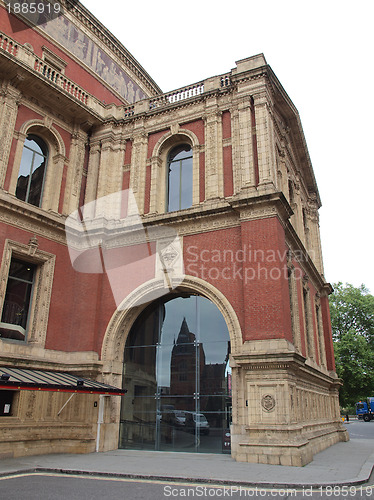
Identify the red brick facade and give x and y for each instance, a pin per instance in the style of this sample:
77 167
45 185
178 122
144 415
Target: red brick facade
250 238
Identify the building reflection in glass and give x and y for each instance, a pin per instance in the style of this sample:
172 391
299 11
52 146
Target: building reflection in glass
178 378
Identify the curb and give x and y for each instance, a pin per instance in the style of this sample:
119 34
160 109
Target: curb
363 477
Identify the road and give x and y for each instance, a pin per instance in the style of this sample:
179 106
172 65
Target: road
63 487
358 429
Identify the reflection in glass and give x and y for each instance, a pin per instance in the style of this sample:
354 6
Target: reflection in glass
180 178
17 300
32 169
178 378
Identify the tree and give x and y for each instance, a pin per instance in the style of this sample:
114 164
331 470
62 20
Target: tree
352 321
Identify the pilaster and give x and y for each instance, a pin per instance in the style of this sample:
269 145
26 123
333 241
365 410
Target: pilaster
53 181
138 167
213 155
244 144
264 140
315 249
20 141
75 171
92 174
111 162
9 99
295 318
158 186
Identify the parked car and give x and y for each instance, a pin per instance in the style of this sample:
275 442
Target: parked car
197 421
180 417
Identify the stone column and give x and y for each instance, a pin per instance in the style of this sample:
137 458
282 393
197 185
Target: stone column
138 168
111 163
264 139
282 174
320 336
315 249
295 318
308 320
158 186
297 218
213 156
9 98
92 174
75 172
20 138
52 182
243 145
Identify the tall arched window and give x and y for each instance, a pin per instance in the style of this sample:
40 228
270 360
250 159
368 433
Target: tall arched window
179 178
32 170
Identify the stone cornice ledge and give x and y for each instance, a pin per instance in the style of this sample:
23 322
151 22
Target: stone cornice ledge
29 218
262 205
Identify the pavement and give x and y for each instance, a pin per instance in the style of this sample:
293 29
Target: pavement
344 464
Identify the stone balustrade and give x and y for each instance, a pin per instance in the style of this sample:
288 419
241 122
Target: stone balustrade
26 56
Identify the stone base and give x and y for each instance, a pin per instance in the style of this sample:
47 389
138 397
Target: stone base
294 453
288 408
45 447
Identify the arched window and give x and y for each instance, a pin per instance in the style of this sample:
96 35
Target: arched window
179 178
32 170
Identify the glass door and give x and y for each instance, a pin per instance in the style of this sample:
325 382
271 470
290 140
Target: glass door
178 378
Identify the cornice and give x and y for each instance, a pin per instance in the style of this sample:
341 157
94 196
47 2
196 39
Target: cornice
170 108
32 219
260 206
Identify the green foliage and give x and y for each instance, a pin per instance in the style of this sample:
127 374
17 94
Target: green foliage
352 320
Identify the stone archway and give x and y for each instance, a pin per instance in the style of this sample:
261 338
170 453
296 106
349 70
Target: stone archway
120 325
125 315
122 322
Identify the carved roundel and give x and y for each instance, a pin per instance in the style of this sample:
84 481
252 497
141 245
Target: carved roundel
268 402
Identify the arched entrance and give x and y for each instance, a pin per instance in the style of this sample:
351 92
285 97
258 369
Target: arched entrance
177 374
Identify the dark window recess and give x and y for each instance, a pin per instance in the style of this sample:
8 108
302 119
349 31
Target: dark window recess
32 170
17 300
6 403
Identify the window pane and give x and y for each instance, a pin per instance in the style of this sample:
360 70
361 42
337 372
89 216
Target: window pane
180 152
37 178
32 169
36 144
186 184
174 187
180 178
24 174
16 304
179 394
17 300
21 270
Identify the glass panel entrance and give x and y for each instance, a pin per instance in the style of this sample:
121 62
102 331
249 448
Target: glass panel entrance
178 379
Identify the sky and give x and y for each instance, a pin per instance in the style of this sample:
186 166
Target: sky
322 53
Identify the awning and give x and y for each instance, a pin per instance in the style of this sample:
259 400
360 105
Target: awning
39 380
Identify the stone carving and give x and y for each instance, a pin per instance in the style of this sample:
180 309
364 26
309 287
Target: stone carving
268 402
